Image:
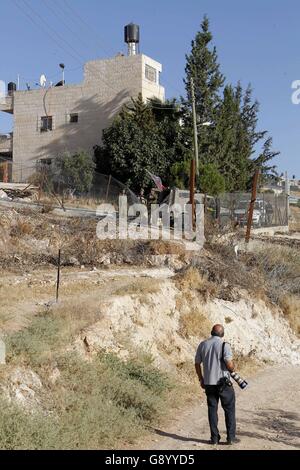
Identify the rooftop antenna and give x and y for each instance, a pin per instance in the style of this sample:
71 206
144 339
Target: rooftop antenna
132 38
62 66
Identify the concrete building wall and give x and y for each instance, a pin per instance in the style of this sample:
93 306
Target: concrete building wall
107 86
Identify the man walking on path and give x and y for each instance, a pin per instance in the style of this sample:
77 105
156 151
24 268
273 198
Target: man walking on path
216 358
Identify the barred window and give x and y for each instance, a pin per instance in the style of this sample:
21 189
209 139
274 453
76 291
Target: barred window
150 73
73 117
46 123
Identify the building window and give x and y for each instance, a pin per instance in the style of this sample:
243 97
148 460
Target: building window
150 73
44 161
46 123
74 117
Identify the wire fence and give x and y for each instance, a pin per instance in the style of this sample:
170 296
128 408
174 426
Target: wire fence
38 185
269 209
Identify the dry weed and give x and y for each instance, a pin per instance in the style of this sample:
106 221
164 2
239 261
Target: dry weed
192 279
290 305
20 228
194 323
140 287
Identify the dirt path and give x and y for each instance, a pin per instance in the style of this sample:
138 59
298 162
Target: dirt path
267 417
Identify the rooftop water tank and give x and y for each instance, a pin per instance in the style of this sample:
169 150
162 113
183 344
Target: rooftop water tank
11 87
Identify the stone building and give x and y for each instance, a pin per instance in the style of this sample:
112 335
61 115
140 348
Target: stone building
55 119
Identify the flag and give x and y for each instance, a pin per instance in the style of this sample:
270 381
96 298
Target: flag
157 181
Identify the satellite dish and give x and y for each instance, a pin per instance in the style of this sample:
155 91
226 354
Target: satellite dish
43 81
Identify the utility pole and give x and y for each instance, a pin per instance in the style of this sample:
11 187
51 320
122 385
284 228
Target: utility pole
192 192
251 207
195 126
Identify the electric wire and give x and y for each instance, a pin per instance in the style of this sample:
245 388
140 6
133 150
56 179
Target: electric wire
61 39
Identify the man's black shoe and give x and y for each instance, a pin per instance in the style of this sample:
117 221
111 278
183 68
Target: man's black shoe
233 441
214 442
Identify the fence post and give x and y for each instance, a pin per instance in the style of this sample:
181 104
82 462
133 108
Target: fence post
58 275
251 207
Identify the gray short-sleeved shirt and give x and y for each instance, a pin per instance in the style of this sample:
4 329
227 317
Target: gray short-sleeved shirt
209 354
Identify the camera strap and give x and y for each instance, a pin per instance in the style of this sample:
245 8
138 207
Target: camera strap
222 356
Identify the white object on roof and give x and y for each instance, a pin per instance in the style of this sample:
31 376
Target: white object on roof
43 80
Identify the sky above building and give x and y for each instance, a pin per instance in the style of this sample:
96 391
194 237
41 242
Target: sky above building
257 42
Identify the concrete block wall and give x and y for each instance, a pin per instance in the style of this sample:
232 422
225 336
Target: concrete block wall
107 86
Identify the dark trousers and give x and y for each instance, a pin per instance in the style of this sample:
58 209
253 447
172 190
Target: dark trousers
227 397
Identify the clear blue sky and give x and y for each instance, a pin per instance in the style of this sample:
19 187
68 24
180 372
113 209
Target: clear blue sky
257 42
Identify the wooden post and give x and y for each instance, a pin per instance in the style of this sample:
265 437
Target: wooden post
58 275
192 192
5 173
251 207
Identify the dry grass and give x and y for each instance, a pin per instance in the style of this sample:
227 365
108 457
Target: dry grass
290 305
194 323
246 366
279 266
21 227
295 222
160 247
139 287
192 279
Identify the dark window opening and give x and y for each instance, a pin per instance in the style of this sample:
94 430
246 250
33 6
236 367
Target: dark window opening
150 73
46 123
74 117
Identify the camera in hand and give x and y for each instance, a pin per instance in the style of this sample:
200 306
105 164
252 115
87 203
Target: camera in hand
241 382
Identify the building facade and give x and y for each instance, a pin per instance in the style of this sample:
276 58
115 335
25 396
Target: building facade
56 119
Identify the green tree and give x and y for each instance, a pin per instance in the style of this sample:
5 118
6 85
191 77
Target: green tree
133 144
73 172
168 116
231 150
202 65
180 174
210 180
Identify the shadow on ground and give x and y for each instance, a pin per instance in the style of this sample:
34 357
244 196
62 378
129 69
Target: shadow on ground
274 425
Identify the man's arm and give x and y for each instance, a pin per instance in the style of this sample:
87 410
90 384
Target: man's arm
228 358
198 361
199 373
229 365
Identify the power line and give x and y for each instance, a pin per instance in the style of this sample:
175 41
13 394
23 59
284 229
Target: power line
65 24
63 40
85 23
36 24
90 27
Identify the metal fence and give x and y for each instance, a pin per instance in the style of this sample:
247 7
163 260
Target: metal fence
270 209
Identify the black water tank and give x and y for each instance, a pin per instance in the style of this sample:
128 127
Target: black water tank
11 87
132 33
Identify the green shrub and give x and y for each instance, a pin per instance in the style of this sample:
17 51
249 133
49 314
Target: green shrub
92 405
